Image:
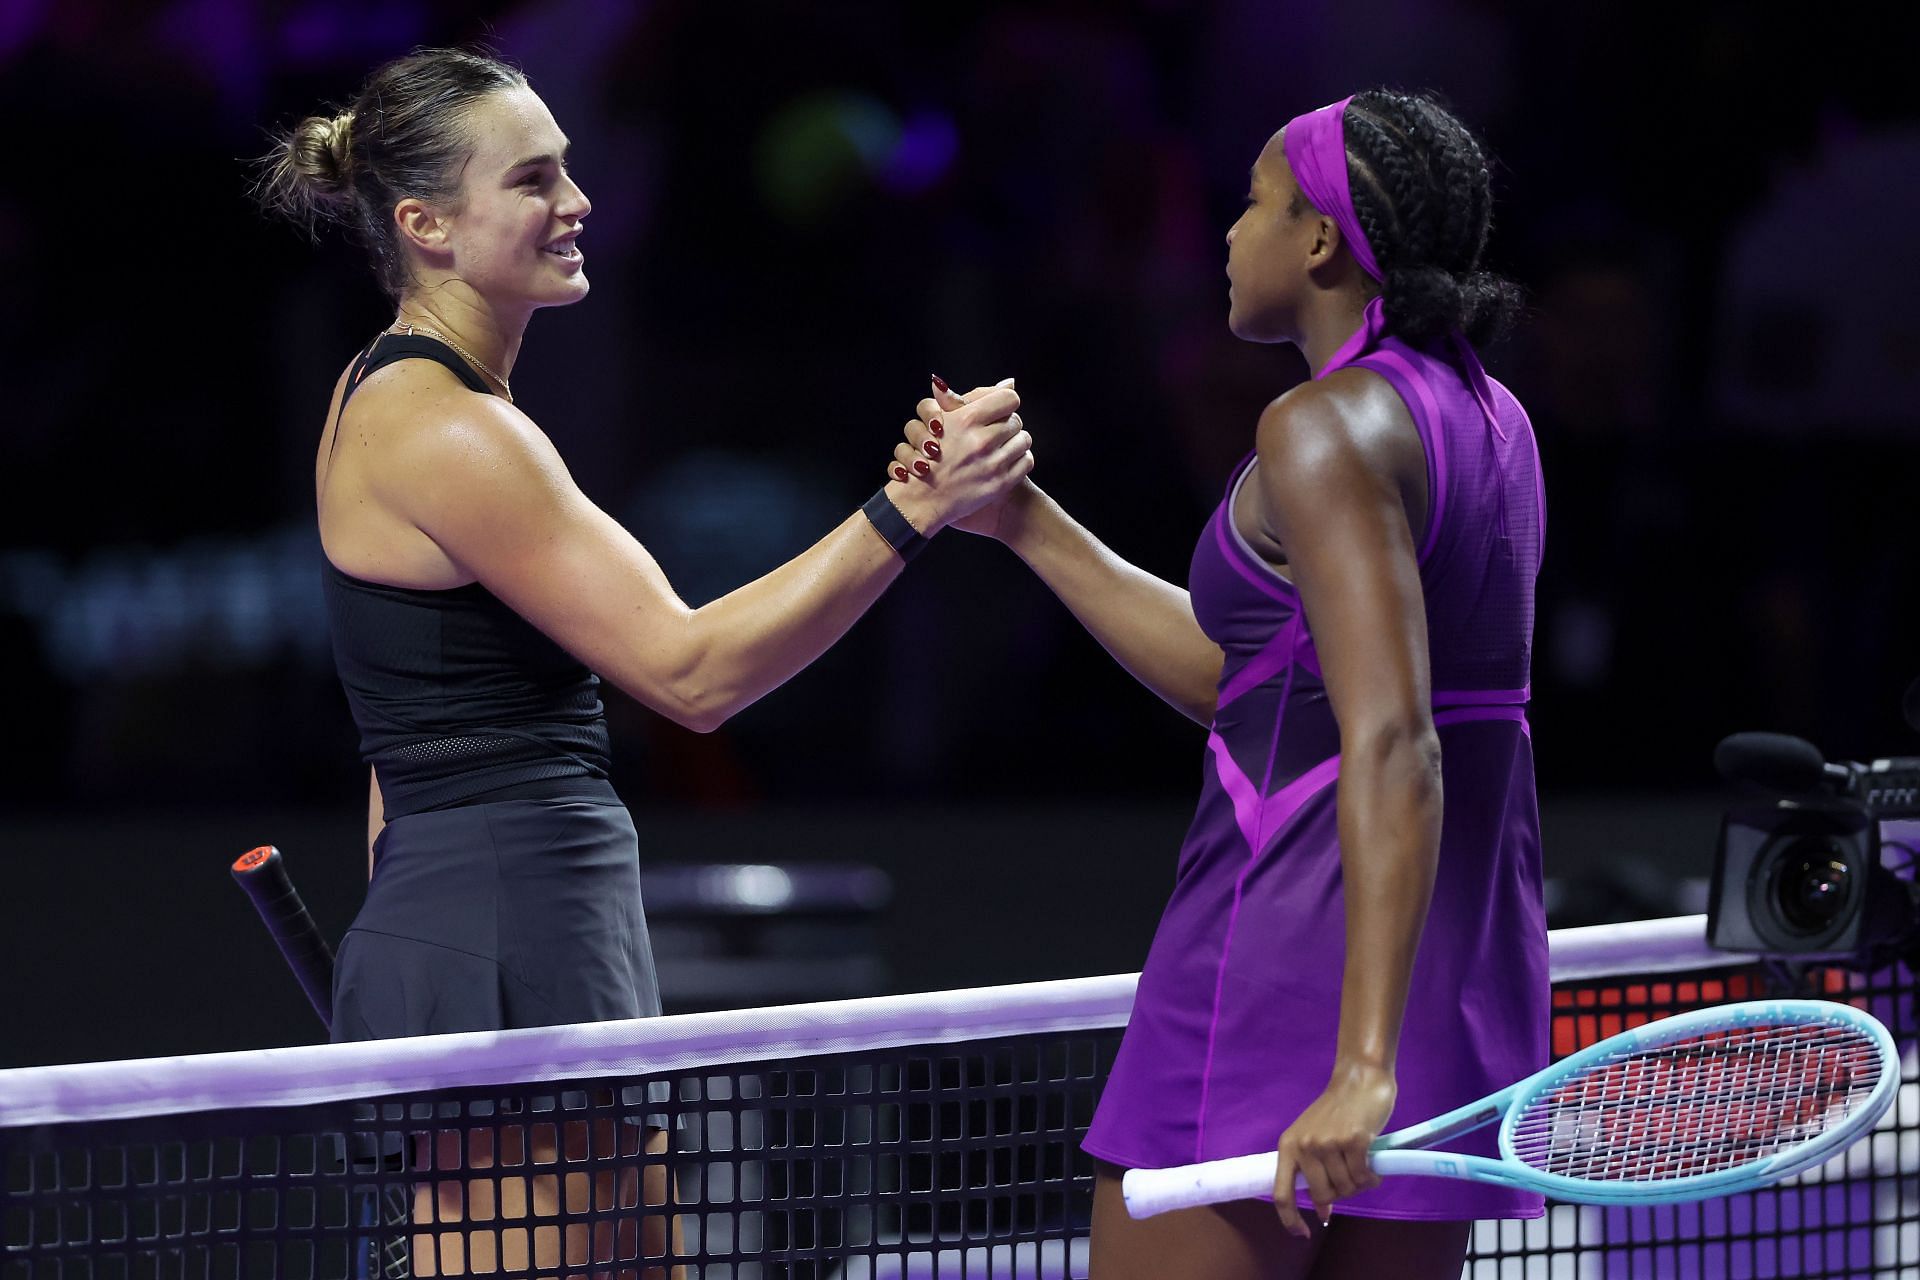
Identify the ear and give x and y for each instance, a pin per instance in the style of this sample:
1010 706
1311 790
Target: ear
1326 239
420 225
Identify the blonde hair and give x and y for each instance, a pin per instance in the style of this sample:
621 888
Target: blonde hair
404 134
309 173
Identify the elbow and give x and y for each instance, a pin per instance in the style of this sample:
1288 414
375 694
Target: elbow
688 713
692 706
701 717
1407 747
681 683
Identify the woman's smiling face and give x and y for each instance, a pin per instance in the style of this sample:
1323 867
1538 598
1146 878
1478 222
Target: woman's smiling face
511 233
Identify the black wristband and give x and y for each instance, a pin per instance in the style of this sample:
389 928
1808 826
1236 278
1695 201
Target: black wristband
894 527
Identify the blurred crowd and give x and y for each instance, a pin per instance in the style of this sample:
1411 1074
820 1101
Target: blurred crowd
801 209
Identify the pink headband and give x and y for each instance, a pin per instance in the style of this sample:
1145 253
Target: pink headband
1316 149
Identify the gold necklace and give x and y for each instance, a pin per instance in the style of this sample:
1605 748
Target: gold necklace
410 329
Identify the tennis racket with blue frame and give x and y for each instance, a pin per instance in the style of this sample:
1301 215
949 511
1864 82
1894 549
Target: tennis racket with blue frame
1706 1103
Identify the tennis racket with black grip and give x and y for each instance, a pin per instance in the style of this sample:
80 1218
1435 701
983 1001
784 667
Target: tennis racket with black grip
263 874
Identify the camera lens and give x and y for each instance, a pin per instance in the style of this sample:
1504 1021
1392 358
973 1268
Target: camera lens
1812 888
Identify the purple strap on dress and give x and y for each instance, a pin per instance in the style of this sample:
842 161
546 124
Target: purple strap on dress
1477 381
1259 669
1272 588
1373 324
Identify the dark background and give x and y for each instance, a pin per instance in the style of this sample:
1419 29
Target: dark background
799 210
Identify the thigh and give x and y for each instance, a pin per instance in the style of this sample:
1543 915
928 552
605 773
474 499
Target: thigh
1359 1248
1239 1241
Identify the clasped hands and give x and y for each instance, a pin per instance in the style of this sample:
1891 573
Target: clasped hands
961 457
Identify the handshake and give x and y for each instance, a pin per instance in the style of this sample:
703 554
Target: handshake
962 457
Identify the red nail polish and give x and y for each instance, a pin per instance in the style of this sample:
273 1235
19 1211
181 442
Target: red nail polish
922 468
933 425
900 474
940 383
933 450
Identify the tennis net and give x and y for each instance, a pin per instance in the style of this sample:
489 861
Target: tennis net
911 1136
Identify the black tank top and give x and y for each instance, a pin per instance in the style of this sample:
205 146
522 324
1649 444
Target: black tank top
458 699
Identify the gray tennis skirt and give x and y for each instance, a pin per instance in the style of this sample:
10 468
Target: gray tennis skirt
516 913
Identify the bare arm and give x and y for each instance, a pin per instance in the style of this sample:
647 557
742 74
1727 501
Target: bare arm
376 816
490 490
1330 493
1332 476
1145 622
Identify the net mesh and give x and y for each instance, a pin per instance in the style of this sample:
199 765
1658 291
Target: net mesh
958 1159
952 1160
1699 1105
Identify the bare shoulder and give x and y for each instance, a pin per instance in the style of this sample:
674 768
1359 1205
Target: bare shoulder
444 446
423 463
1351 416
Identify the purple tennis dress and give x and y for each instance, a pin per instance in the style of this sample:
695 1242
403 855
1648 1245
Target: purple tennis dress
1234 1026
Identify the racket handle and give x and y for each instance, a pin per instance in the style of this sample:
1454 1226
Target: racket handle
263 874
1152 1191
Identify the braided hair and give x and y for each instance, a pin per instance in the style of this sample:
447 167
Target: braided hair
404 134
1424 199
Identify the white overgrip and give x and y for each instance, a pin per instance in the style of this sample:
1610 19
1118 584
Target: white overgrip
1153 1191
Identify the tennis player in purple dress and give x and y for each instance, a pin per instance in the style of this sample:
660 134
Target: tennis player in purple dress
1340 955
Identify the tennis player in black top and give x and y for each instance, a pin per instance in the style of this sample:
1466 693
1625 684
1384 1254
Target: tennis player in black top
472 589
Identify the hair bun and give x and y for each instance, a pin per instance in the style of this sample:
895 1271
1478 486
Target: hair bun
1492 305
322 154
308 176
339 142
1422 303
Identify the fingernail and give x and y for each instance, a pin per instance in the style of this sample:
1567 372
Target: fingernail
939 383
922 468
933 450
900 474
933 425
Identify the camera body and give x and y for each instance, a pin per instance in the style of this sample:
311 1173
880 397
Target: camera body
1796 879
1802 878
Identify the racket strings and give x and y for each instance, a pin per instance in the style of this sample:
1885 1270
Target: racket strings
1702 1105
